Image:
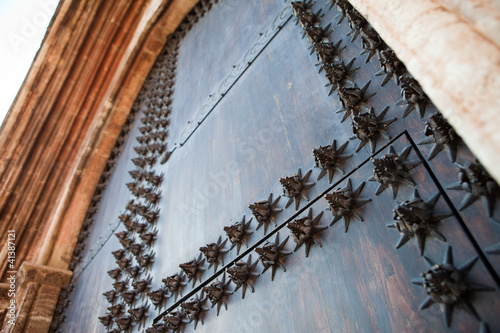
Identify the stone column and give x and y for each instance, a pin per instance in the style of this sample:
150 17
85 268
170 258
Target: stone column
37 291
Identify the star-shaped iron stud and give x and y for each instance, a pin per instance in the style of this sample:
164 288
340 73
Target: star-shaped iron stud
338 74
175 284
390 65
368 127
330 159
416 218
238 233
194 269
346 203
195 309
265 211
272 255
478 184
242 274
139 314
442 136
214 253
447 286
125 323
353 100
356 22
218 292
158 296
296 187
305 231
175 320
371 41
413 96
106 320
392 170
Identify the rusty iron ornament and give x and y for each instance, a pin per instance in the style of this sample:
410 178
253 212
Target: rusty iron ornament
265 211
447 285
346 203
415 218
392 170
390 65
125 323
238 234
475 181
218 292
440 133
330 159
242 274
305 231
175 320
194 308
272 255
139 314
111 296
413 96
158 296
194 269
296 187
368 127
175 284
142 286
214 252
353 100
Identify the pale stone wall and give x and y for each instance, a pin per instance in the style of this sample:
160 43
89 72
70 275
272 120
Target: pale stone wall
456 59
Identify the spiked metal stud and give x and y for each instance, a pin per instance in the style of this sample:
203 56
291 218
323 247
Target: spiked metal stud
272 255
392 170
371 41
330 159
478 184
195 308
175 284
115 273
296 187
214 252
106 320
413 96
346 203
194 269
217 292
148 237
116 310
391 66
120 286
338 74
242 274
306 231
238 234
110 296
129 296
368 127
158 296
447 286
265 211
442 136
139 314
125 323
416 218
175 320
142 286
353 100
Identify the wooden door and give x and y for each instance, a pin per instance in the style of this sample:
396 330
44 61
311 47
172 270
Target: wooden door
372 184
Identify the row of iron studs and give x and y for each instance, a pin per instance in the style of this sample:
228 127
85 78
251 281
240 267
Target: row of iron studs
154 132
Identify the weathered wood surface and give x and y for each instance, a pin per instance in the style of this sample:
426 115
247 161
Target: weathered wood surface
263 129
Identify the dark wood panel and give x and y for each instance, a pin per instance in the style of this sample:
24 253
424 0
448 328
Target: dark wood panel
210 50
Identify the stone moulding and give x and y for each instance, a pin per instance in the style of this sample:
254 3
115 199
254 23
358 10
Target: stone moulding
451 49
